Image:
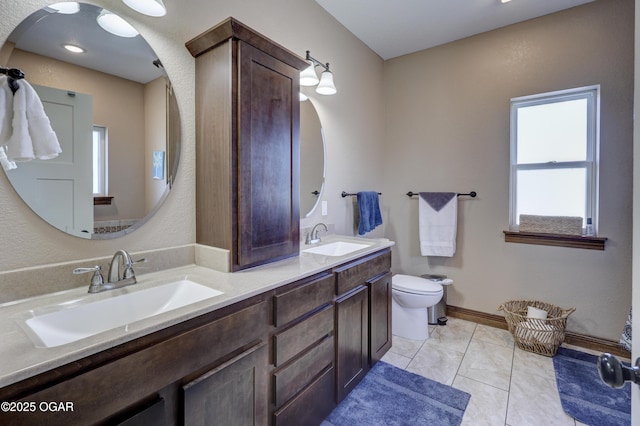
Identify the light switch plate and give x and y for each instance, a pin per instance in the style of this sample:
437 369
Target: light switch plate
324 208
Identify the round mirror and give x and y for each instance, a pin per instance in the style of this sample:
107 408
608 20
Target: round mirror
114 114
311 159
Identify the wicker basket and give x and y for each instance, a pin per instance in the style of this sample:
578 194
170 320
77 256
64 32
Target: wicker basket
541 336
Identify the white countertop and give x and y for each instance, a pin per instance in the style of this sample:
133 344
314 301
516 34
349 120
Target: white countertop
21 359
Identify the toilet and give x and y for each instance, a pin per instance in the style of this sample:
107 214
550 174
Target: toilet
411 296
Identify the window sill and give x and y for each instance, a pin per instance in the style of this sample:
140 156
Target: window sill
558 240
102 201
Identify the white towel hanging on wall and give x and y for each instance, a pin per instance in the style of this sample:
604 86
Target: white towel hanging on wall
30 136
438 222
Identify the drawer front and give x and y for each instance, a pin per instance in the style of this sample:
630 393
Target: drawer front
311 406
294 377
353 274
304 298
294 340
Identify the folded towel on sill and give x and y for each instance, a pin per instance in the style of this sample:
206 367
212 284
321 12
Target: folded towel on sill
438 221
31 136
369 210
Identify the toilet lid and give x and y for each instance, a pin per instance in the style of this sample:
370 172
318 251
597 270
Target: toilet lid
411 284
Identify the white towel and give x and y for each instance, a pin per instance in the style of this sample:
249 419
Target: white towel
6 164
31 134
438 224
6 110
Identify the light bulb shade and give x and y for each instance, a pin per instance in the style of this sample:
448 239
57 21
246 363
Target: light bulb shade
115 25
303 97
66 7
308 76
148 7
326 86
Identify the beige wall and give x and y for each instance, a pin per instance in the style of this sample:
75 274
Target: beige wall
447 129
119 105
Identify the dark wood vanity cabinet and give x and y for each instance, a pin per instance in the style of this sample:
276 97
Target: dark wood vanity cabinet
210 370
247 144
303 352
284 357
363 318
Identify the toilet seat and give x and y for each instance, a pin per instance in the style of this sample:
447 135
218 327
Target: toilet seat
415 285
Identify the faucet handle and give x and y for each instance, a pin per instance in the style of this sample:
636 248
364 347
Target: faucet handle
128 270
96 280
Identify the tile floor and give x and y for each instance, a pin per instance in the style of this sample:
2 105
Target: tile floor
508 386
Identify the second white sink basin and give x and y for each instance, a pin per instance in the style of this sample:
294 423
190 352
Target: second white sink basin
59 325
337 248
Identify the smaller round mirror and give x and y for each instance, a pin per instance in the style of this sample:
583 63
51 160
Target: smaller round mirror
312 159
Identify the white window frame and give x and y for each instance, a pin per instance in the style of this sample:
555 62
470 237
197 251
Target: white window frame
591 164
102 173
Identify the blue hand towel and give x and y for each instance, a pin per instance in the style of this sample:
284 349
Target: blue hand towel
369 209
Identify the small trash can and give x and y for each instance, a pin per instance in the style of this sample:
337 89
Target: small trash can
438 313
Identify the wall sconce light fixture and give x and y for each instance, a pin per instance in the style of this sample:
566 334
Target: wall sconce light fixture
308 77
148 7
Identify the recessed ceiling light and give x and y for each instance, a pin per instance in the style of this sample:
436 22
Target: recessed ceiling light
505 1
114 24
73 48
66 7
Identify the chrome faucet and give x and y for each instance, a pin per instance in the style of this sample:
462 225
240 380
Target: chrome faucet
115 278
312 237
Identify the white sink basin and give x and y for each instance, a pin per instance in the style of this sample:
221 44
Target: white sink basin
58 325
338 248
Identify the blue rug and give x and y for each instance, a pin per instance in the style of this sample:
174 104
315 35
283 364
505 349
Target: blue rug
584 396
391 396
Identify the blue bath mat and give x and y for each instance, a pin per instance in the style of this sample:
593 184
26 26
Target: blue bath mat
391 396
584 396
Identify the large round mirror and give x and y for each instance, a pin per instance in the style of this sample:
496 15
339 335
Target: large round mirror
113 111
312 168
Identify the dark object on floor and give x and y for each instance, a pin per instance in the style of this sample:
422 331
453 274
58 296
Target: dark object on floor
442 321
391 396
584 396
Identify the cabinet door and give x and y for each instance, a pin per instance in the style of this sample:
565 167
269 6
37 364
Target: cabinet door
352 347
233 394
379 317
268 158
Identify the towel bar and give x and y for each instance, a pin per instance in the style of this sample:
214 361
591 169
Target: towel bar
346 194
471 194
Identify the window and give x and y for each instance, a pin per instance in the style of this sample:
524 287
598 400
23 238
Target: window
100 161
554 155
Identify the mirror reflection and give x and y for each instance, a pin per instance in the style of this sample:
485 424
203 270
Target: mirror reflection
312 159
113 110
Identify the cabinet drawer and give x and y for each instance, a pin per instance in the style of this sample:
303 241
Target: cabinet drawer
353 274
294 340
289 380
304 298
312 406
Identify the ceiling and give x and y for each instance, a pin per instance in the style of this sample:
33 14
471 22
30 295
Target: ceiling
396 28
44 32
